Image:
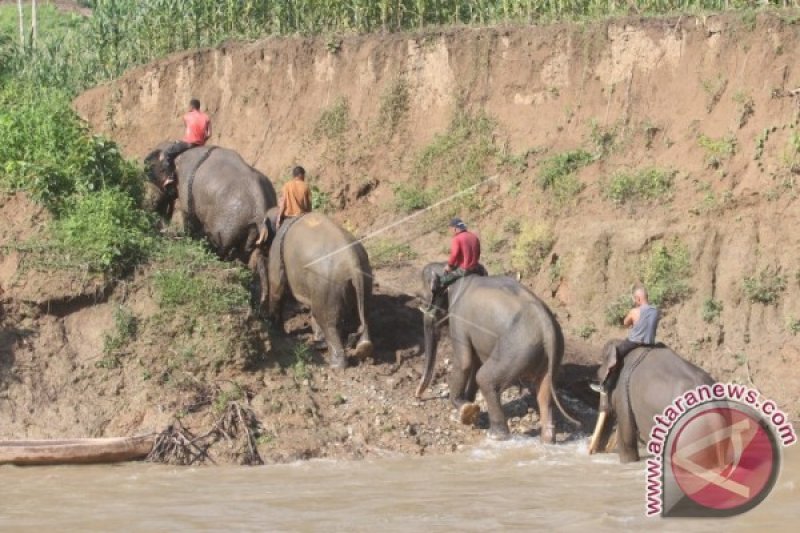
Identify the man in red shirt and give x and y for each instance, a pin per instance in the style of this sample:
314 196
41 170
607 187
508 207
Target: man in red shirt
465 254
198 130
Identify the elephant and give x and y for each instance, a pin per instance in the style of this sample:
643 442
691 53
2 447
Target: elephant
220 196
501 334
326 269
650 379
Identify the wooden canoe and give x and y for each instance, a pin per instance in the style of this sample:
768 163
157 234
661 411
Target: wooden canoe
75 451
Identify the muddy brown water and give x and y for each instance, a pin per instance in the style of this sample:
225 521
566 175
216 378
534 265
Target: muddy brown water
517 485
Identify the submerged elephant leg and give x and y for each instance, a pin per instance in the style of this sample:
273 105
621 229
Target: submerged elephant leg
491 389
543 397
627 438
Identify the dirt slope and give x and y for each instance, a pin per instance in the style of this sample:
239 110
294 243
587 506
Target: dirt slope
710 98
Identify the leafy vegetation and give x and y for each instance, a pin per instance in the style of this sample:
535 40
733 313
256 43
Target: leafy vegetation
717 150
190 278
711 310
665 273
533 243
302 361
459 155
409 198
617 309
384 252
793 325
645 184
558 173
104 231
766 287
394 106
586 330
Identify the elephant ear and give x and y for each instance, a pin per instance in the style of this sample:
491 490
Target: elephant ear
609 359
151 162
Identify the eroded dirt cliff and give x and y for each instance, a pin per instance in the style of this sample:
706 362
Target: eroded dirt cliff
711 102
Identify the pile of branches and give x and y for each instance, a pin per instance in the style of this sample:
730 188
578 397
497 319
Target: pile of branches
236 424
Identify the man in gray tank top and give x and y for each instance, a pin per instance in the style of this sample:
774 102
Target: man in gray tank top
643 321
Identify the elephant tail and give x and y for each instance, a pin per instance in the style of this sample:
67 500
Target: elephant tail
554 346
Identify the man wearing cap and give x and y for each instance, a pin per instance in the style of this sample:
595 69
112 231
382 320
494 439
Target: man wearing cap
465 253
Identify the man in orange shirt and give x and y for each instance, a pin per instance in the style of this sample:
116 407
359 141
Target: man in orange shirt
295 197
198 130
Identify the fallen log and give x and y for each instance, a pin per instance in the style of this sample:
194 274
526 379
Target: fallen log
75 451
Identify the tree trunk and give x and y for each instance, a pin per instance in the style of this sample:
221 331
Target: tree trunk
33 23
21 24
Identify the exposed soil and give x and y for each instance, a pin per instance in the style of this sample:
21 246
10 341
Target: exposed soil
644 90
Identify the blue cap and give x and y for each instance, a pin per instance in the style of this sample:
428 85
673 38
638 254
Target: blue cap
457 223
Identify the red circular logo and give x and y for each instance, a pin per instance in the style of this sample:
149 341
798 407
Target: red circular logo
724 459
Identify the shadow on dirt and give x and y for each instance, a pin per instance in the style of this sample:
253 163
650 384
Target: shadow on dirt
396 326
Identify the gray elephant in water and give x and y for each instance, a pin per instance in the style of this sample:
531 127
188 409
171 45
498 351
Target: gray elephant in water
326 269
650 379
501 334
220 196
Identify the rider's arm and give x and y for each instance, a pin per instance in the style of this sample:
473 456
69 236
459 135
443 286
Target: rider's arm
630 318
455 255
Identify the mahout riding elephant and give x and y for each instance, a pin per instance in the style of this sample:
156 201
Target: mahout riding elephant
326 269
501 334
650 379
219 196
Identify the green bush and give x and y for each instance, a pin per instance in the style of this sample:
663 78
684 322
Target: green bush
532 245
105 231
586 331
320 200
711 310
645 184
46 150
766 287
557 173
617 310
192 279
458 157
717 150
666 273
409 198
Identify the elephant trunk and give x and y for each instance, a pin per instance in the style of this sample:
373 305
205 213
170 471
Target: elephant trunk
430 352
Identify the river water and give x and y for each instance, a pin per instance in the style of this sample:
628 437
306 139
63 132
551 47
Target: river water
516 485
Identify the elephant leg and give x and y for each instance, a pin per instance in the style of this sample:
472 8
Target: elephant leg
472 383
462 382
544 393
336 350
627 438
491 388
317 335
257 264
